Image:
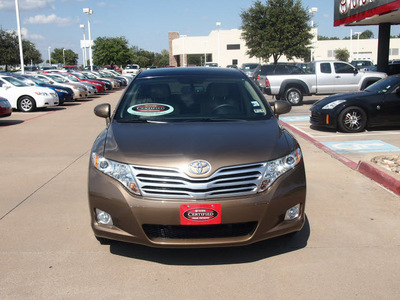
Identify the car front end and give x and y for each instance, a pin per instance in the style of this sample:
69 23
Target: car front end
188 180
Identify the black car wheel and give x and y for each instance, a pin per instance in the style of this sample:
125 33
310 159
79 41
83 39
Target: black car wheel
352 119
26 104
294 96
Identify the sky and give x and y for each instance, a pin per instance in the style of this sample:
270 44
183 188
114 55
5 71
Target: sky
56 23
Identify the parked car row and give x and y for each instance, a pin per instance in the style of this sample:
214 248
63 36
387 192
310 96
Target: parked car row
27 92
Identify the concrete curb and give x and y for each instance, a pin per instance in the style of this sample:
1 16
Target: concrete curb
364 168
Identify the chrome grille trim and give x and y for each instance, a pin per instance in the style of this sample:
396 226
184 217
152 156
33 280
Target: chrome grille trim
175 184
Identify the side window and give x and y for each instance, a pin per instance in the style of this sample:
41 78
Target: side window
326 68
342 68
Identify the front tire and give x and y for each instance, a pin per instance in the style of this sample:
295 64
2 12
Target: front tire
26 104
294 96
352 119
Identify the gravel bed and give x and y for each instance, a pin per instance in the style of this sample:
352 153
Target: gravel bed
389 162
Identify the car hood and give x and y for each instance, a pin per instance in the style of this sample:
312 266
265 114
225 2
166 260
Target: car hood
342 96
177 144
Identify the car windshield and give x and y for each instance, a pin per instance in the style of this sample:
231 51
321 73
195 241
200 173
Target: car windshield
191 98
383 85
132 67
72 78
36 80
15 81
58 79
90 76
249 66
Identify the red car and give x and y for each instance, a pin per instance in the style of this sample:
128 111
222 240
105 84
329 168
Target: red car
100 86
5 108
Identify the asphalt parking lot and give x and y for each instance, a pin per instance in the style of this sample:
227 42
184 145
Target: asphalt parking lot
348 248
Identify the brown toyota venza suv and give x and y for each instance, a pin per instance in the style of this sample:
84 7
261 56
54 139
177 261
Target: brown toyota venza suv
195 157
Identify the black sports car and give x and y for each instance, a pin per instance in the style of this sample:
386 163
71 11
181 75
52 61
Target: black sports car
377 105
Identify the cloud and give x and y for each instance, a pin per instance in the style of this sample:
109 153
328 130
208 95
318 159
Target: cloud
26 5
27 35
51 19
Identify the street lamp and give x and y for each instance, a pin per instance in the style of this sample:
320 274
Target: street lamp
358 44
89 12
21 56
218 25
64 55
49 56
84 46
312 10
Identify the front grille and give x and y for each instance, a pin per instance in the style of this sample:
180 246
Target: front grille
315 117
173 183
199 231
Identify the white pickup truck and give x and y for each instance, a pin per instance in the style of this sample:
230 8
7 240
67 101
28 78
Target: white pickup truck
321 77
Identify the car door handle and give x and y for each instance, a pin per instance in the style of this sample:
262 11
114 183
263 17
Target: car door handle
337 76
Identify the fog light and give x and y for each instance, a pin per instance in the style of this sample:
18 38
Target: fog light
103 218
292 213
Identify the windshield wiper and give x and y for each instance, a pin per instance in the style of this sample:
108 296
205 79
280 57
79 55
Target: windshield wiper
140 121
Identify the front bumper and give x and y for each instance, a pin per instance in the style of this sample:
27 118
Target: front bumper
157 222
323 118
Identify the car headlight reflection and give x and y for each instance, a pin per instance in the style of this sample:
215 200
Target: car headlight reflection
119 171
333 104
276 168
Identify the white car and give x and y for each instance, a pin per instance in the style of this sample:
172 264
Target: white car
80 90
131 69
24 97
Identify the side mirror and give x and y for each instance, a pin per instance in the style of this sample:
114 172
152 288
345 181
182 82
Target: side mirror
281 107
355 71
103 111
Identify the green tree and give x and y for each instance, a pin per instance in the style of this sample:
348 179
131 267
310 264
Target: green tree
32 56
342 54
9 53
161 59
9 50
57 56
326 38
110 51
367 34
277 28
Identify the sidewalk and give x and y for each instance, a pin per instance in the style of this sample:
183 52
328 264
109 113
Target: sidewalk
381 176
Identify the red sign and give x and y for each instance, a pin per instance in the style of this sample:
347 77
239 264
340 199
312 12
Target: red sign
200 214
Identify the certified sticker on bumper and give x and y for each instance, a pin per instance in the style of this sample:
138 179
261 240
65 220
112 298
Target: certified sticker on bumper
200 214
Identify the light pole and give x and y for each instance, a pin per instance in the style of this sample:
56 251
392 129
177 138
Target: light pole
205 52
21 56
312 10
358 44
89 12
49 56
183 50
64 55
218 25
84 46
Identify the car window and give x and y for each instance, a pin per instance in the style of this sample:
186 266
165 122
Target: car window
15 82
326 68
384 85
342 68
193 98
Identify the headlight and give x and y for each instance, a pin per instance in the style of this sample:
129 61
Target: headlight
61 91
119 171
276 168
333 104
98 84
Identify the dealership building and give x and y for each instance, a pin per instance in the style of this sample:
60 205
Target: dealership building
226 47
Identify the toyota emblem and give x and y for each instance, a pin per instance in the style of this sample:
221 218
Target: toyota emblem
199 167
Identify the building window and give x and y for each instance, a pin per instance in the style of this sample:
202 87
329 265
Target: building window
331 53
394 51
233 47
234 62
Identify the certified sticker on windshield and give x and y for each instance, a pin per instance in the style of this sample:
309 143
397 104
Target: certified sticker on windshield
150 109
